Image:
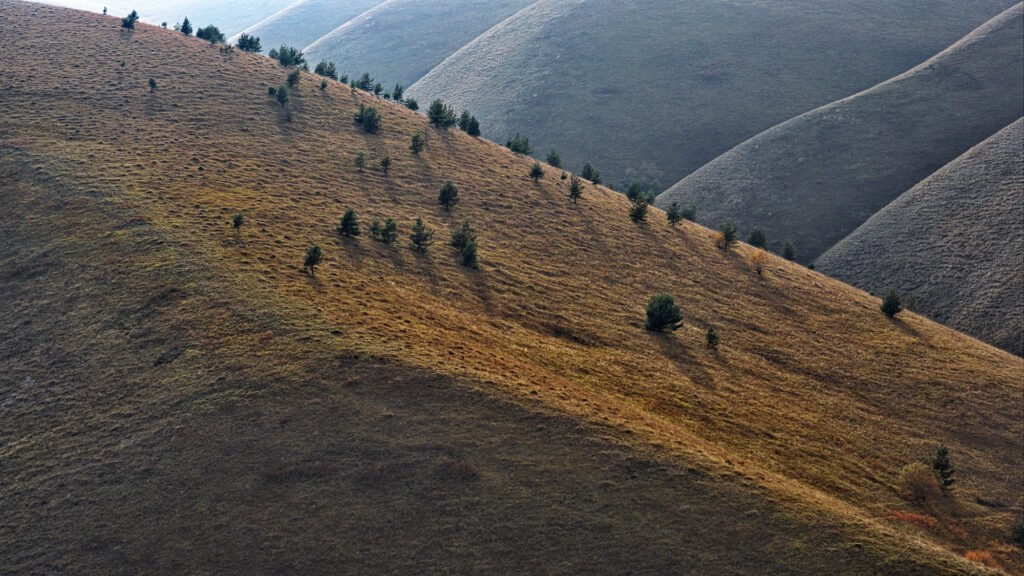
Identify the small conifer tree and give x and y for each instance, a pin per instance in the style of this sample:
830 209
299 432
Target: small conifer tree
441 115
727 235
536 172
282 95
575 188
412 104
463 235
369 118
293 78
464 121
449 196
314 256
326 69
789 251
663 314
757 238
474 127
674 214
421 237
349 225
237 221
468 254
152 85
398 92
554 158
385 164
417 143
186 27
519 144
711 338
130 20
360 161
891 305
943 467
249 43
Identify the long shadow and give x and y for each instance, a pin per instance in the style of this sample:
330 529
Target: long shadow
675 350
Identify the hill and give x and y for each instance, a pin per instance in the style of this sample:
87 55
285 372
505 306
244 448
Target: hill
817 177
303 22
230 16
401 40
654 90
954 242
180 397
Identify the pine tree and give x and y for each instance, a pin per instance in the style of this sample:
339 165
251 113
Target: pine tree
249 43
386 232
789 251
282 94
467 255
211 34
674 214
554 158
587 172
727 235
152 85
293 78
130 20
757 238
711 337
663 314
237 221
412 104
364 82
349 225
369 118
943 467
464 121
891 305
441 115
186 27
421 237
474 127
327 70
360 161
449 196
463 235
575 188
398 92
536 172
417 143
519 144
314 256
385 164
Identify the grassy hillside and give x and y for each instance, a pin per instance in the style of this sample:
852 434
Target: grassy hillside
402 40
306 20
178 397
231 16
954 241
817 177
654 90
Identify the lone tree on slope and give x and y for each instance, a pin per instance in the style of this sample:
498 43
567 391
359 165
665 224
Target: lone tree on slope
349 226
662 314
449 196
314 256
536 172
891 304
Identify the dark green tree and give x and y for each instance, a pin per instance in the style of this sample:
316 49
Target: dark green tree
349 225
441 115
474 127
943 467
711 337
386 232
757 238
727 235
536 172
249 43
412 104
327 70
385 164
449 196
519 144
463 235
152 85
554 158
663 314
130 20
365 82
674 214
211 34
314 256
464 121
282 94
417 143
186 27
640 202
237 221
293 78
369 118
789 251
397 92
288 56
421 237
377 89
575 188
467 254
891 305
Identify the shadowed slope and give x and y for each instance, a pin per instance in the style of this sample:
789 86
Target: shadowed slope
955 241
305 21
401 40
655 89
817 177
166 378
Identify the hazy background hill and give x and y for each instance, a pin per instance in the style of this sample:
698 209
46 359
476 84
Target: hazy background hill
955 241
303 22
817 177
231 16
401 40
656 89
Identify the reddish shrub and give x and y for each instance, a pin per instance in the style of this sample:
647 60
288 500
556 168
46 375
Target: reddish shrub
919 520
458 469
983 557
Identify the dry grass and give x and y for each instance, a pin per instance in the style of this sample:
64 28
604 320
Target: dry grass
813 401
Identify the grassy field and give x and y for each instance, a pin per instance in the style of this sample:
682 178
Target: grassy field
178 397
815 178
402 40
654 90
954 241
304 21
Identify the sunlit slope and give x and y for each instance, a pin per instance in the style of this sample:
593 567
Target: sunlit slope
653 90
200 403
954 241
230 16
306 20
817 177
401 40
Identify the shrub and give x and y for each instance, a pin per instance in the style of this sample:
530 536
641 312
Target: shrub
554 158
211 34
891 304
152 85
249 43
983 557
519 144
397 92
417 143
727 235
467 255
412 104
575 188
711 338
288 56
689 212
757 238
349 225
385 164
441 115
130 20
943 467
588 172
663 314
386 232
449 196
789 251
323 84
917 482
463 235
421 237
314 256
237 221
369 118
293 78
474 127
673 214
912 518
758 260
326 69
536 172
343 78
360 161
282 94
186 27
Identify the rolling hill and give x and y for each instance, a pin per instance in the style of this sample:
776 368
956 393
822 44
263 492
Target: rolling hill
815 178
654 90
180 397
401 40
306 20
230 16
954 241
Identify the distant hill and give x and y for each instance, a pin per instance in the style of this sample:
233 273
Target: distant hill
653 90
817 177
955 241
306 20
178 396
230 16
401 40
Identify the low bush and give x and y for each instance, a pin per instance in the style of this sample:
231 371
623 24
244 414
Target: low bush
917 482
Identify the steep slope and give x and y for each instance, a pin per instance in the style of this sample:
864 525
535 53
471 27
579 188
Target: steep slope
230 16
954 241
654 90
178 397
401 40
817 177
305 21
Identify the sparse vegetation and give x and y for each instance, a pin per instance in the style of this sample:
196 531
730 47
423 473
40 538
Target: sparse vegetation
536 172
385 165
327 70
314 257
237 221
369 118
726 236
421 237
891 305
441 115
386 232
711 338
449 196
757 238
249 43
417 143
211 34
918 483
349 225
293 78
758 260
943 468
575 188
130 20
554 158
663 315
689 212
789 251
1017 530
519 144
360 161
281 94
674 214
288 56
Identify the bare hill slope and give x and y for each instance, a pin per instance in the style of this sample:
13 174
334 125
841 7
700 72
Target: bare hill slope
304 21
955 241
180 397
815 178
654 90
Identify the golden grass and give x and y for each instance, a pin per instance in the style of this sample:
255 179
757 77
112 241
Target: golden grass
813 396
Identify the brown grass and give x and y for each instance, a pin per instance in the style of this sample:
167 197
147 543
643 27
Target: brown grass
813 401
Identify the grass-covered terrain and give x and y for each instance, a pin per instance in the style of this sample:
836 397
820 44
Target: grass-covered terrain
653 90
230 16
954 242
306 20
180 397
815 178
402 40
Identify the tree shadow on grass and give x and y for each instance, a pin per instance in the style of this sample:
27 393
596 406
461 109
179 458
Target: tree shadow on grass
673 348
